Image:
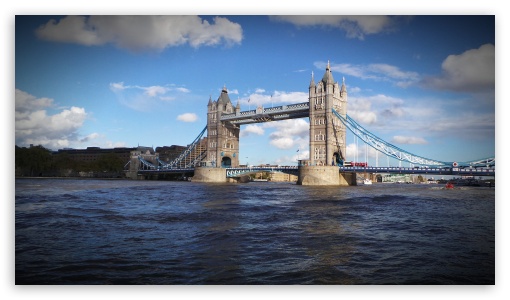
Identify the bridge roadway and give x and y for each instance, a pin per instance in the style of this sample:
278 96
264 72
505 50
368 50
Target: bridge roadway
284 112
236 172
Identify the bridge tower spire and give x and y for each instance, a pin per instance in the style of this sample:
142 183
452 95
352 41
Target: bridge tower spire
222 137
327 133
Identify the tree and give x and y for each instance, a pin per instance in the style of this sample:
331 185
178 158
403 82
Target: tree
109 162
33 161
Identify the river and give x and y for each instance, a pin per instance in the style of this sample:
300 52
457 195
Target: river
112 232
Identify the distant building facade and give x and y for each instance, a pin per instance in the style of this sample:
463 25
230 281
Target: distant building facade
282 177
92 154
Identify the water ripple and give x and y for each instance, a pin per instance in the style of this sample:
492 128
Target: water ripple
154 232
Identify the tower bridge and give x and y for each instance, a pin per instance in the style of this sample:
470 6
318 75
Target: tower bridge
327 112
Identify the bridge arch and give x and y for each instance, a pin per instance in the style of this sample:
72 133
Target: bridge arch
226 162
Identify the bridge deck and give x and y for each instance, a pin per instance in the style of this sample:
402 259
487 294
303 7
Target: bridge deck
236 172
292 111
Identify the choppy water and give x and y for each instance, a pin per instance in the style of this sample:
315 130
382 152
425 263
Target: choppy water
71 231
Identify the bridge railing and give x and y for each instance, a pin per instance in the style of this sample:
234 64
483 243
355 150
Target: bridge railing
269 110
145 163
186 153
236 172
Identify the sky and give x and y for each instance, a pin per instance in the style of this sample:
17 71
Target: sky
424 83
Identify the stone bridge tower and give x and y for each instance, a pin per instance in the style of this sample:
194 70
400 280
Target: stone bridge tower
327 133
222 137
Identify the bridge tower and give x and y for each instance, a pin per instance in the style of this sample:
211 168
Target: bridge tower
222 137
327 133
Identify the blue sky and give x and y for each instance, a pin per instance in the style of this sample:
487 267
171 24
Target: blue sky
423 83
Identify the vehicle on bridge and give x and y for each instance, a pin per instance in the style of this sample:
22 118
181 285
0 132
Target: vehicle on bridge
355 164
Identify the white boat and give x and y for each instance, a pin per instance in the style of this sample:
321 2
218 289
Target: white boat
367 181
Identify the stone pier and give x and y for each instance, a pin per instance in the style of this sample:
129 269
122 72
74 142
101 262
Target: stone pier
209 174
324 175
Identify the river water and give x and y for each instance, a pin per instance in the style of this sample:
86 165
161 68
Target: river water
109 232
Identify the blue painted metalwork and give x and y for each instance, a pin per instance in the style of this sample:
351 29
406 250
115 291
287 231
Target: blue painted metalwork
175 162
291 111
400 154
237 172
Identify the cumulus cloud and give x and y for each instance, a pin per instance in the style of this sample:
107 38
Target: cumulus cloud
282 142
33 124
360 109
354 26
351 150
365 117
473 70
139 33
366 110
187 117
289 134
398 139
251 128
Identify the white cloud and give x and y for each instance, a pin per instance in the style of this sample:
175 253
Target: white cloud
473 70
182 90
282 142
367 110
289 134
117 86
139 32
398 139
360 109
153 91
377 72
354 26
25 102
34 126
251 128
144 98
365 117
351 150
187 117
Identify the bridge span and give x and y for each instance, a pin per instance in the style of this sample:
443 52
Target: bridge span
240 171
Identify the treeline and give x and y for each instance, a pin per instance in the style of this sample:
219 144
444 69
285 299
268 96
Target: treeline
38 161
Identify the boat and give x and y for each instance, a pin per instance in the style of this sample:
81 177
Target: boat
367 181
449 185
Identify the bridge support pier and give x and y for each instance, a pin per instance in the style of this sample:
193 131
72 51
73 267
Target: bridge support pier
205 174
324 175
347 178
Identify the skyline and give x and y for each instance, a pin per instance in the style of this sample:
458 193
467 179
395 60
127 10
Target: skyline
423 83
